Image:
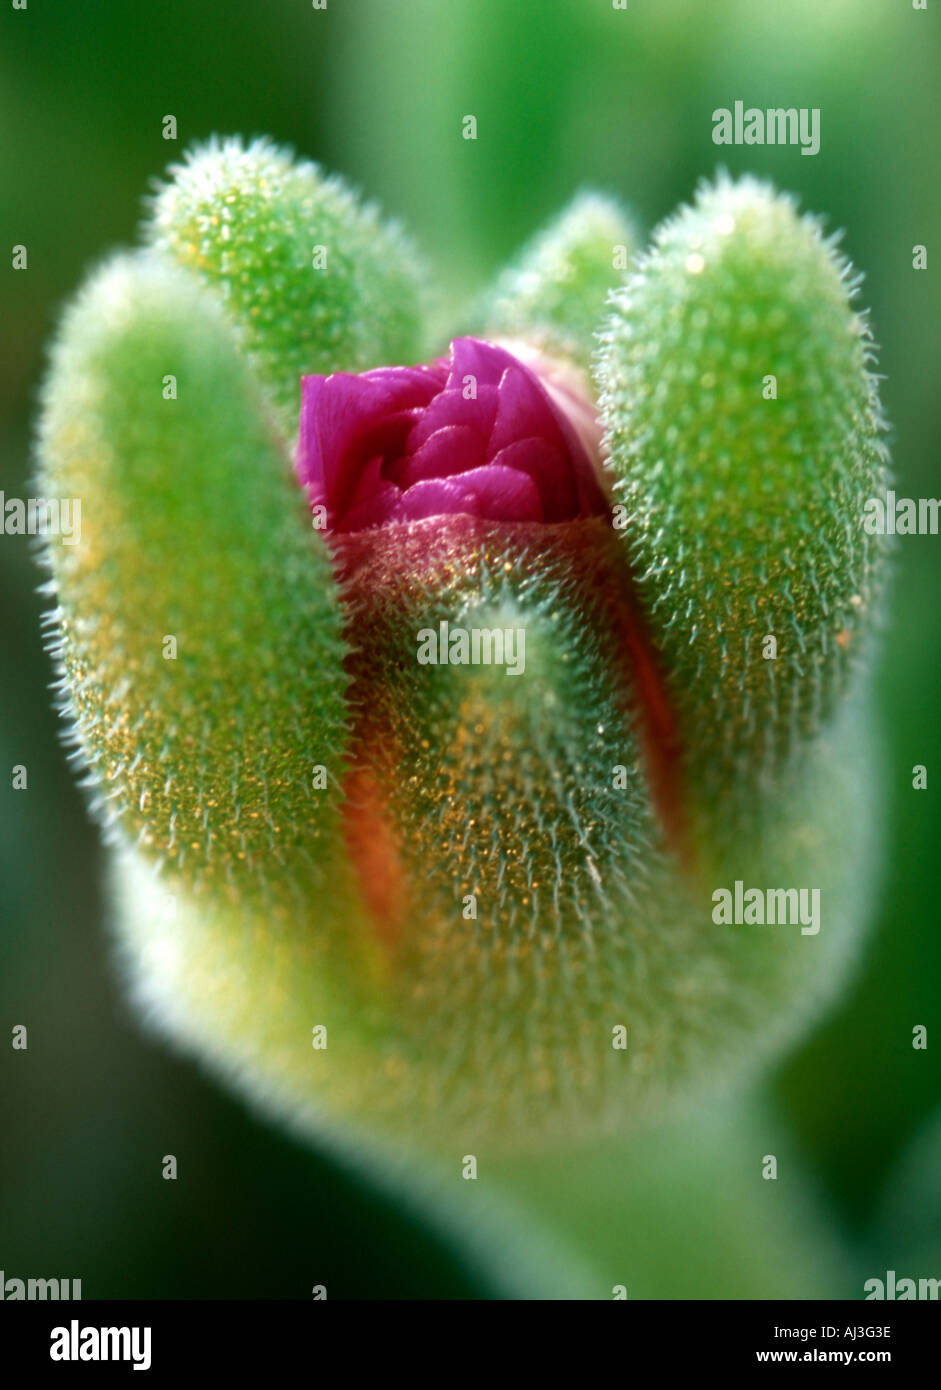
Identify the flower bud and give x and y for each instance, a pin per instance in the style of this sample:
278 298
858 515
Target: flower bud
478 435
451 791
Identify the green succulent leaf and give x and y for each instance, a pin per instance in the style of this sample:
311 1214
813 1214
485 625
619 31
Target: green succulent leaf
197 623
553 293
745 435
314 279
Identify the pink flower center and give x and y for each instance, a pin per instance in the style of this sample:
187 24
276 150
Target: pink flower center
478 434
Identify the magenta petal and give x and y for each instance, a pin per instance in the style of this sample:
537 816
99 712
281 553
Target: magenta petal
336 409
526 409
373 510
369 484
454 449
550 472
523 411
480 433
451 407
387 437
474 357
492 493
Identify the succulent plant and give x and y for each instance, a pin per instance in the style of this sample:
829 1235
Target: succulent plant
427 904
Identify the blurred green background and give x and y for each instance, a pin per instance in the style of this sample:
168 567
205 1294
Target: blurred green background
566 93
